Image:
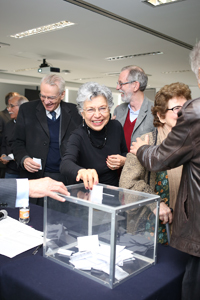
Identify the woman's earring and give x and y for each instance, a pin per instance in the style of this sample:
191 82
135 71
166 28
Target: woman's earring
83 123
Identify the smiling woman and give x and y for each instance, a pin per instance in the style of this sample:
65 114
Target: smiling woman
97 149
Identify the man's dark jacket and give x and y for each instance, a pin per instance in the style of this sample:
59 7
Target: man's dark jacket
181 147
32 133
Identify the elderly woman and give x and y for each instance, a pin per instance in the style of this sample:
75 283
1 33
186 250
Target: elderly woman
168 102
97 149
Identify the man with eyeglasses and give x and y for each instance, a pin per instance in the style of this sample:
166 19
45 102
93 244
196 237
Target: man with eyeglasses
7 158
43 128
135 113
4 118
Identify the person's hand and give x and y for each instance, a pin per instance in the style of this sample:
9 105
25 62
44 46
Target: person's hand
30 165
4 161
115 161
136 145
89 177
165 214
42 187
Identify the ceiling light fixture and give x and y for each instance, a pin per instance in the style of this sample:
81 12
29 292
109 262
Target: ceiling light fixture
119 57
178 71
160 2
42 29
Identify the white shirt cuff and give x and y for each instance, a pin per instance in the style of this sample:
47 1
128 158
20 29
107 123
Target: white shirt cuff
22 199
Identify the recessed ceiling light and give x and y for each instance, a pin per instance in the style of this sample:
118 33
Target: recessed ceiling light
42 29
23 70
178 71
119 57
160 2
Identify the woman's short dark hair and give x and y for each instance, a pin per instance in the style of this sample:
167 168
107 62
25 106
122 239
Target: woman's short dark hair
178 90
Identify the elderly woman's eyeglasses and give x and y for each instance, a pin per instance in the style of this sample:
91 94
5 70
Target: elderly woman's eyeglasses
92 110
123 83
175 109
42 97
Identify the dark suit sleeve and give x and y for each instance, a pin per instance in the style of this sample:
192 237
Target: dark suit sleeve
19 145
8 192
69 166
1 127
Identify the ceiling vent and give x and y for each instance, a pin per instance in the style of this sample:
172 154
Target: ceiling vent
119 57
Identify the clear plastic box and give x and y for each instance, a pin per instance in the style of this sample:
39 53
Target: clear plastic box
108 234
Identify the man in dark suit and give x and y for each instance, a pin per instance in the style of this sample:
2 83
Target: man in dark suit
4 118
15 192
42 129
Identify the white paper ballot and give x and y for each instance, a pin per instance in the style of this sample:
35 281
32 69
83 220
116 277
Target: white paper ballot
96 194
16 237
38 160
9 157
65 252
88 243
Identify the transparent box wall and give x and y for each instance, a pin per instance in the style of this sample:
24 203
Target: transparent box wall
112 232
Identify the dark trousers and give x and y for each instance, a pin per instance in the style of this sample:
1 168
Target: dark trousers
191 280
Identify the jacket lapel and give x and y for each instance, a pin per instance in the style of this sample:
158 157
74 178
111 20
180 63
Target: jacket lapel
142 114
65 119
42 118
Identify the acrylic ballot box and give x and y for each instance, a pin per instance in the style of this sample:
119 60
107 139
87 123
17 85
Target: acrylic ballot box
108 234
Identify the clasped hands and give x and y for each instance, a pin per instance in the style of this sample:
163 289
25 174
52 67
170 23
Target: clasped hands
90 176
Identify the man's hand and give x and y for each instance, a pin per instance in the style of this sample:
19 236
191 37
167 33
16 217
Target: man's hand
115 161
30 165
39 188
4 161
136 145
89 177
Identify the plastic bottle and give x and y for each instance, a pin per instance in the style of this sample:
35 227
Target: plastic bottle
24 214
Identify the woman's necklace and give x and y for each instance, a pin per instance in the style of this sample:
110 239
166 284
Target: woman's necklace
91 141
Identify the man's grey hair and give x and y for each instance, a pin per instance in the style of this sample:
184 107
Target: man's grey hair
54 79
195 60
91 90
22 100
136 73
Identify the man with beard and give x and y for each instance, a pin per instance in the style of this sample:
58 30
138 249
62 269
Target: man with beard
135 113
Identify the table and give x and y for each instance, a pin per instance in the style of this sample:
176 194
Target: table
37 278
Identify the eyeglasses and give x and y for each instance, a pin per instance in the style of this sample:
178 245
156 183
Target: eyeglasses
101 110
42 97
175 109
123 83
11 105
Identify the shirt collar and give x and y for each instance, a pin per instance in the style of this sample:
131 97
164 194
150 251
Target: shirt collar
132 111
57 111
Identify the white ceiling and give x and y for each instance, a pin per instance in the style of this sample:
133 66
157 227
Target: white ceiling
82 48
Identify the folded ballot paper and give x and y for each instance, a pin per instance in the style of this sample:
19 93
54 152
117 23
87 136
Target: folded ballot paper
95 255
16 237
